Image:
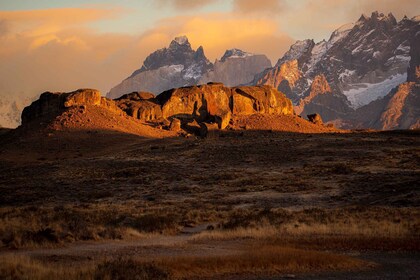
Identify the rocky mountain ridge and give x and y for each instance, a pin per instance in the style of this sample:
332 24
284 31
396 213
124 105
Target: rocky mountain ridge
179 65
361 63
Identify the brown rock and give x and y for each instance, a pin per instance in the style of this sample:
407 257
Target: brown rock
50 104
82 97
260 99
209 130
175 125
137 96
202 103
315 118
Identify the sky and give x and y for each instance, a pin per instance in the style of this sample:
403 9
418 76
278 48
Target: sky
63 45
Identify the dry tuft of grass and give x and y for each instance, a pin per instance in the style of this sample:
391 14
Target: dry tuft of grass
261 260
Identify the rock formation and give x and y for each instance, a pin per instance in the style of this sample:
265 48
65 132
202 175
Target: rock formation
187 106
50 104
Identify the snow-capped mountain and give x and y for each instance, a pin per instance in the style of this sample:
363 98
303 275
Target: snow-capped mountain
361 62
179 65
176 66
236 67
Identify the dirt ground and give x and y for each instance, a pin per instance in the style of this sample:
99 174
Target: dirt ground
212 184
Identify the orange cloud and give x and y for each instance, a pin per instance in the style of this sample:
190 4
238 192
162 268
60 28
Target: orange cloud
40 53
265 6
185 4
218 32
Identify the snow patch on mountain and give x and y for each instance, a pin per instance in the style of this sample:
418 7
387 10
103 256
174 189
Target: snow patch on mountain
193 72
235 53
296 51
364 93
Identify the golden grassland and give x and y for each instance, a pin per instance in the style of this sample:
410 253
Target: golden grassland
255 260
372 227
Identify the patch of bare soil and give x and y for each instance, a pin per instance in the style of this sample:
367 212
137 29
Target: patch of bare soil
284 123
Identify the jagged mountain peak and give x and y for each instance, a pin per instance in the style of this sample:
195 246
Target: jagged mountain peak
234 53
377 17
180 41
363 18
298 50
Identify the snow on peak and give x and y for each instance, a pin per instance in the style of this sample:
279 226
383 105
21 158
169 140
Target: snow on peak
297 50
181 40
235 53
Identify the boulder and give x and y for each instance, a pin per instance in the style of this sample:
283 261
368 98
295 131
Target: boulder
135 96
201 103
82 97
209 130
315 118
142 109
260 99
175 125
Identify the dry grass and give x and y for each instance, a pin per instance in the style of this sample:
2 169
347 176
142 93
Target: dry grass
26 227
257 260
260 260
20 267
338 229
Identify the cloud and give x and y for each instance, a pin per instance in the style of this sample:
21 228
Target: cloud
185 4
260 6
43 51
219 31
56 50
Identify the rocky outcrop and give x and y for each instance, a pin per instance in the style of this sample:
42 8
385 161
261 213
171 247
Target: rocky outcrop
183 107
50 104
140 105
216 103
315 119
236 67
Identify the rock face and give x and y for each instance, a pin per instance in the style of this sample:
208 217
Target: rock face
216 103
414 68
50 104
235 68
399 109
315 118
140 105
361 62
179 65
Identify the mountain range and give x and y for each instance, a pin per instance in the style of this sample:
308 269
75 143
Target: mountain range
361 77
366 75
